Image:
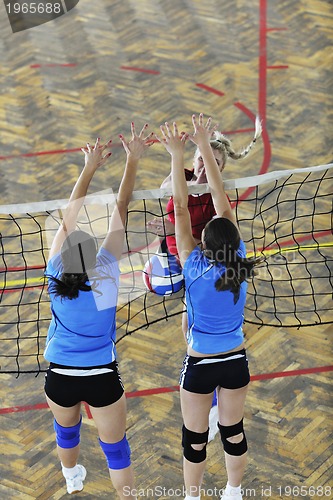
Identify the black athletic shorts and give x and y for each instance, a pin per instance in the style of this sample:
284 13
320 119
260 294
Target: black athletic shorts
96 390
203 375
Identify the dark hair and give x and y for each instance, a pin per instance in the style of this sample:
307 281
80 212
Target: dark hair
78 255
222 241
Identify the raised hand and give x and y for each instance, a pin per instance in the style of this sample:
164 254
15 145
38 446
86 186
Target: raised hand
94 156
202 133
138 144
171 140
161 227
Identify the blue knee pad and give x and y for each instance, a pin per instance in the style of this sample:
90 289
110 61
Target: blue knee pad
67 437
118 455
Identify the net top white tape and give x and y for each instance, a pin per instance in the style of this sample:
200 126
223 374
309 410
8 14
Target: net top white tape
108 197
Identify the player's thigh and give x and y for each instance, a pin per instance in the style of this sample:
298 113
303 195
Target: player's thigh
111 420
231 404
65 416
195 409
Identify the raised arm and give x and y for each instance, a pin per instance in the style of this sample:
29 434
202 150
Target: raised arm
175 145
134 149
201 137
94 158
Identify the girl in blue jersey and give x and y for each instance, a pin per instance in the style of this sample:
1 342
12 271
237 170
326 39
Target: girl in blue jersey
202 210
215 283
83 289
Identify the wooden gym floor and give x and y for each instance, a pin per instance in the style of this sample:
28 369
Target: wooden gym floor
89 74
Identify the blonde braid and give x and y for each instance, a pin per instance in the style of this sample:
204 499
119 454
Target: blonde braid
223 144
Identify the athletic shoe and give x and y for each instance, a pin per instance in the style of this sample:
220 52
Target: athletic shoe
236 496
231 493
213 420
75 484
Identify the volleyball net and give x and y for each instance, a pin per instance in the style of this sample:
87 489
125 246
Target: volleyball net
285 216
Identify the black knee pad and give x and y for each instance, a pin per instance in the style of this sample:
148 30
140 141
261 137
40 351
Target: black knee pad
235 449
191 437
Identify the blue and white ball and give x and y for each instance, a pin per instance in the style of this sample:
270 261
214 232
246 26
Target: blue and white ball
163 275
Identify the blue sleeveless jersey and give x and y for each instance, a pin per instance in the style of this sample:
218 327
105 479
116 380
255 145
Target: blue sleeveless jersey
82 331
214 321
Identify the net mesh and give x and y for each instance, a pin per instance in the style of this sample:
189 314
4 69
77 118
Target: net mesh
286 216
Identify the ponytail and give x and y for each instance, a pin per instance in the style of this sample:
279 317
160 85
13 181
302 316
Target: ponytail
222 240
78 254
237 270
69 285
221 143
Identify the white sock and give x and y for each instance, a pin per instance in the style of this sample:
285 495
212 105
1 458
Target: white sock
69 473
233 490
189 497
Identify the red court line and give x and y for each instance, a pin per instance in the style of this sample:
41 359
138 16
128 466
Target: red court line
239 131
22 289
278 67
75 150
17 409
292 373
151 392
175 388
64 65
20 268
141 70
89 415
51 152
210 89
40 153
276 29
300 239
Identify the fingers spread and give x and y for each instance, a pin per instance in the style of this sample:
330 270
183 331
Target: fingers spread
163 132
168 128
106 145
143 129
149 137
97 143
175 128
121 137
209 121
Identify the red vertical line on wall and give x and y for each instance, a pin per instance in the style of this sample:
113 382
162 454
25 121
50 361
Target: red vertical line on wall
262 97
262 94
262 61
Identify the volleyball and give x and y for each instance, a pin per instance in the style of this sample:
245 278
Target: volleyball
163 275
